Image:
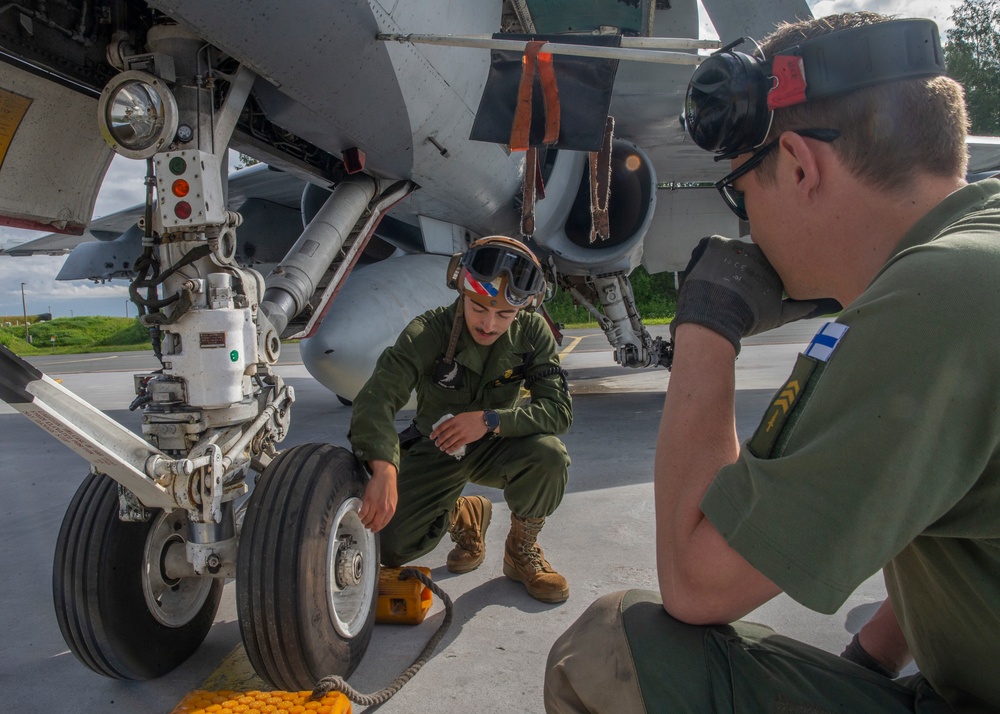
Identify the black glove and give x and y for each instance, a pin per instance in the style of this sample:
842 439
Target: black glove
856 653
730 288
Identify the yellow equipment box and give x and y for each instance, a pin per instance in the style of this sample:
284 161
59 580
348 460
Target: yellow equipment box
402 602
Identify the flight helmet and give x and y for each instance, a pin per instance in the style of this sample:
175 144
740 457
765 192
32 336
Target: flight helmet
498 272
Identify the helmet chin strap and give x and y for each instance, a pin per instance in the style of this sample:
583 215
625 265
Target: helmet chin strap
456 329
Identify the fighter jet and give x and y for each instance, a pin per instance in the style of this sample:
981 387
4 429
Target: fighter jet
392 134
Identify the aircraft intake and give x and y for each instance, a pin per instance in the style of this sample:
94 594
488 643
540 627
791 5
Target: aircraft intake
563 217
593 269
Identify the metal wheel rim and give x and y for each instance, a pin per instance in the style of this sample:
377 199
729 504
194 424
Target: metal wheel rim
349 606
172 603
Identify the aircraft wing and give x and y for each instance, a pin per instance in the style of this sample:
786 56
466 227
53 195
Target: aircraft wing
984 156
56 243
255 182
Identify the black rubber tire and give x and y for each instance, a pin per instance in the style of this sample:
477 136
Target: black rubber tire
283 575
98 590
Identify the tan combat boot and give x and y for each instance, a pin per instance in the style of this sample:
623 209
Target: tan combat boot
524 562
469 522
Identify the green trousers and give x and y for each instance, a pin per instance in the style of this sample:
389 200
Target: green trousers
531 470
626 654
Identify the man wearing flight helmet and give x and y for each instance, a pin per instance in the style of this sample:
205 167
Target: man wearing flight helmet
881 451
468 362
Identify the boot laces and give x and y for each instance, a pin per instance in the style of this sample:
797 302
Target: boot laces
465 539
528 546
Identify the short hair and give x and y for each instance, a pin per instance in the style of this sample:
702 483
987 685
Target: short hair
888 132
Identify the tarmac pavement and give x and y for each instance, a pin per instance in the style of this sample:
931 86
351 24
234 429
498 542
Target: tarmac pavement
492 657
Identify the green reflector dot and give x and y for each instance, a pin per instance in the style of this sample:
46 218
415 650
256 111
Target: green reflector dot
177 166
234 355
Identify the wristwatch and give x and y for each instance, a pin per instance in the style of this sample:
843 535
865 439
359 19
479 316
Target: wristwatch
492 420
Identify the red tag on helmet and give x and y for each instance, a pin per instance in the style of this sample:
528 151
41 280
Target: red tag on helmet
789 82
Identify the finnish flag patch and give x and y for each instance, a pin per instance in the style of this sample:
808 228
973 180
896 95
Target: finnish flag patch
826 341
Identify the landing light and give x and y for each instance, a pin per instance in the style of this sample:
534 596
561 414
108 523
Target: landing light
137 114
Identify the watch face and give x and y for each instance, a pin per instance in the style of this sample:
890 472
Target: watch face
492 420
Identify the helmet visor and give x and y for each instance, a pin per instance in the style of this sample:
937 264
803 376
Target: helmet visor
486 263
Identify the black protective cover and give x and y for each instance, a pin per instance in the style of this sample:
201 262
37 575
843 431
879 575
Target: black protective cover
585 87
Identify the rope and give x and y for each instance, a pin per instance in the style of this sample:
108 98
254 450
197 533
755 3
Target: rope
337 683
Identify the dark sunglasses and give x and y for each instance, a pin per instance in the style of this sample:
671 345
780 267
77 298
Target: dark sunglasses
734 197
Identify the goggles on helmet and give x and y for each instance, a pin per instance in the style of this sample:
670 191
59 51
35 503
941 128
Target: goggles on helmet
489 261
732 96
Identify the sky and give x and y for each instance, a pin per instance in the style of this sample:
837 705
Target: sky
123 188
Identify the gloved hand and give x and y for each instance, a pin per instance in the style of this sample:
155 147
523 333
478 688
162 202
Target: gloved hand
857 654
730 288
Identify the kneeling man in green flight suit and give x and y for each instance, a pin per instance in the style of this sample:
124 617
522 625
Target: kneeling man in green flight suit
468 362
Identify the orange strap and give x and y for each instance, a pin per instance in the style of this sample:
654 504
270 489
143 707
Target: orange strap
521 128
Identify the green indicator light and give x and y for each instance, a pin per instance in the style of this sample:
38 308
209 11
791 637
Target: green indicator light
177 166
234 355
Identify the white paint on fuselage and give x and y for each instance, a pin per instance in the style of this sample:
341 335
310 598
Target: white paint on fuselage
374 306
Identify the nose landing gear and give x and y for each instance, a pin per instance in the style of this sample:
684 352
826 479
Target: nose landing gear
118 611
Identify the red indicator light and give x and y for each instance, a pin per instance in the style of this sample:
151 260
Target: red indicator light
181 188
182 210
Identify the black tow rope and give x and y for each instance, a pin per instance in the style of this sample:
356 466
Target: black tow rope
337 683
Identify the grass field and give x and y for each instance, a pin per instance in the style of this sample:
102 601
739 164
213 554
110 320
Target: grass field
654 294
655 297
73 335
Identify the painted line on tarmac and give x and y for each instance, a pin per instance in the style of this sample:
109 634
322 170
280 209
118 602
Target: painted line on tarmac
572 345
234 672
92 359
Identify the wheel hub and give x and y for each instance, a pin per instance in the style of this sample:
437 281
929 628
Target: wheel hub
172 602
350 566
352 570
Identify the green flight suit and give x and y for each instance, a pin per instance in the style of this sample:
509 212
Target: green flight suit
527 460
887 457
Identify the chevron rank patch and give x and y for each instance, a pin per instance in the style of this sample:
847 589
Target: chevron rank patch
826 341
764 441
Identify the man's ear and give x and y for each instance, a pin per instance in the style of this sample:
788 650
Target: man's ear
799 158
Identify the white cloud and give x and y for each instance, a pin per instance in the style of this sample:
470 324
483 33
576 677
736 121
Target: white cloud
937 10
43 293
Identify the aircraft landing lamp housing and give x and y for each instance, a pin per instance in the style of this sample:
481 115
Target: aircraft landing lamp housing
137 114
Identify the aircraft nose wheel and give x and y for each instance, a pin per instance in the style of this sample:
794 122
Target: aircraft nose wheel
307 569
171 602
118 612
